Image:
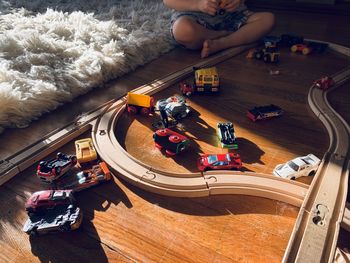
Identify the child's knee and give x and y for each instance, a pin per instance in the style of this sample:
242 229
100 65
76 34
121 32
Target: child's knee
184 31
269 20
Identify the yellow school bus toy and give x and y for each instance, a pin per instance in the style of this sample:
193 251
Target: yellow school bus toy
206 80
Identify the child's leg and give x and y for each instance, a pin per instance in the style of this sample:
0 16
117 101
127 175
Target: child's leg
190 34
257 25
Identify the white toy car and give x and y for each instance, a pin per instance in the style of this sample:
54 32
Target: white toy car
300 166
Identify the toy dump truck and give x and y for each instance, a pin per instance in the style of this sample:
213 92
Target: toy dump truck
139 103
206 80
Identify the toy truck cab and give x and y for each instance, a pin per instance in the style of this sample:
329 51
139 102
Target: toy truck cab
139 103
206 80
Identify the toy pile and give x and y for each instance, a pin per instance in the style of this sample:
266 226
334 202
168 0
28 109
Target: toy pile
56 210
206 81
174 109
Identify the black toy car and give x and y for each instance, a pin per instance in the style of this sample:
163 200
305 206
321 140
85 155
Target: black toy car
290 40
227 135
264 112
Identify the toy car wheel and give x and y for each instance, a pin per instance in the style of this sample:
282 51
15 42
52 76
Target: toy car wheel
74 160
174 139
266 59
132 110
258 55
312 173
159 146
292 178
306 51
65 227
59 155
144 111
58 170
34 232
170 153
162 132
294 48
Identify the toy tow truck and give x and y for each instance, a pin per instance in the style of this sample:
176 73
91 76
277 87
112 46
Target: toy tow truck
139 103
174 106
264 112
227 135
85 179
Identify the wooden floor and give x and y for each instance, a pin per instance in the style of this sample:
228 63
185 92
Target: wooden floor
122 223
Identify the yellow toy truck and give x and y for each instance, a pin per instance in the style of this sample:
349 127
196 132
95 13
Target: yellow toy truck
85 150
206 80
139 103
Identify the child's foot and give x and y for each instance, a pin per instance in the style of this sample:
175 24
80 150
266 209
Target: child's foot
209 47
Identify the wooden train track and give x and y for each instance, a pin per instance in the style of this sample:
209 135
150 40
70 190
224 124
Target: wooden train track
316 231
317 213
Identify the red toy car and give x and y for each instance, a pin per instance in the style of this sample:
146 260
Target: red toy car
324 83
186 89
224 161
171 141
49 171
48 199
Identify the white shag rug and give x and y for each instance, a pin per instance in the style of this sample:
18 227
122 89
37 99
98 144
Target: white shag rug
54 50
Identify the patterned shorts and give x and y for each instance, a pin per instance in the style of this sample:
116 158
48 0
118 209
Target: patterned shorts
222 21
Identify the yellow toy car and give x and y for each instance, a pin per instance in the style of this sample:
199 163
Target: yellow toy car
85 150
206 80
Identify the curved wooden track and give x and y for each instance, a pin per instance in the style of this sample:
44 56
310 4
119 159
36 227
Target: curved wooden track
317 227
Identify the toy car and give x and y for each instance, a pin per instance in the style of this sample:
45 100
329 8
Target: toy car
59 219
317 47
264 112
171 141
48 171
300 166
271 40
85 179
227 136
186 89
174 106
206 80
48 199
85 150
324 83
225 161
139 103
288 40
268 54
303 48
